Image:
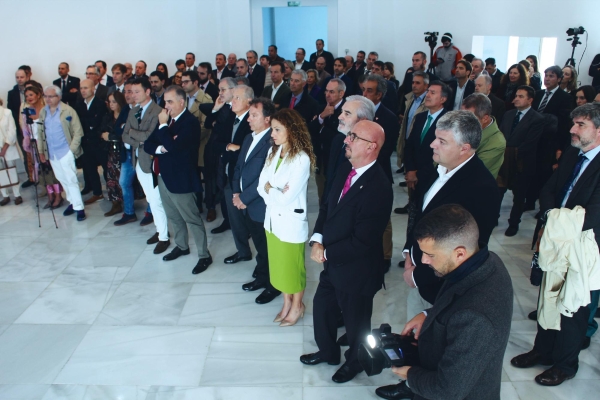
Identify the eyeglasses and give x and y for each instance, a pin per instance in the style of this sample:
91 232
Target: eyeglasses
353 136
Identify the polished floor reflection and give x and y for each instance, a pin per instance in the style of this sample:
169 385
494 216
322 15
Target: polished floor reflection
87 311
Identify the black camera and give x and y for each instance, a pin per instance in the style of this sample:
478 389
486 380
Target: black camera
431 38
28 112
384 349
575 31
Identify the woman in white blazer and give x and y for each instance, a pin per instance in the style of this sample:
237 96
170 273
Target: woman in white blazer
283 184
9 150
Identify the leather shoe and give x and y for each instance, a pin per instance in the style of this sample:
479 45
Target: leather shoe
211 215
93 199
4 201
125 219
343 341
153 239
511 230
69 210
221 228
395 392
252 286
402 184
147 220
532 315
315 358
345 374
552 377
19 200
202 265
586 343
401 264
117 208
267 296
236 258
401 210
255 273
162 246
175 253
27 184
386 265
528 360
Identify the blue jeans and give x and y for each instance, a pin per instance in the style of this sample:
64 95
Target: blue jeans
126 182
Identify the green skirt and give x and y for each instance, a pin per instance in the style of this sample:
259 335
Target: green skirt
286 265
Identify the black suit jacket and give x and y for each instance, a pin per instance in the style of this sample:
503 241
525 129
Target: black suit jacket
391 127
279 99
159 100
328 60
91 120
353 228
498 108
390 100
212 90
356 71
496 78
224 138
178 166
347 80
257 79
13 103
322 135
306 66
525 137
585 193
72 83
227 73
469 89
307 107
419 156
109 81
472 187
560 105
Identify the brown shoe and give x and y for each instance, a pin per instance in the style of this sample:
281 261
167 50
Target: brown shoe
552 377
4 201
93 199
211 215
153 239
161 246
528 360
18 200
117 208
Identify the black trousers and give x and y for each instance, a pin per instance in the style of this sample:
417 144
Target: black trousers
257 231
523 182
94 154
562 347
329 301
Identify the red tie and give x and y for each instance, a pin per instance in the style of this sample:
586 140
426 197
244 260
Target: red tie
293 102
348 182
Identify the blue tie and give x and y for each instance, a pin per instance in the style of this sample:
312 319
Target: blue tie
572 178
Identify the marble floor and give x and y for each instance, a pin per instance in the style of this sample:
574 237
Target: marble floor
87 311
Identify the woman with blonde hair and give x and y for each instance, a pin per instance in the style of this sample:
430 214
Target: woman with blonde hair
283 184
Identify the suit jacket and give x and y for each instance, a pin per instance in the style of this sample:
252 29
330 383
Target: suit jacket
71 128
67 96
471 317
322 135
525 137
178 166
390 100
14 105
469 89
305 65
347 80
498 108
135 134
356 71
472 187
247 174
496 78
227 73
257 79
282 93
307 107
229 158
328 60
109 81
560 105
113 88
585 193
353 228
212 90
201 98
91 121
159 100
419 156
337 157
323 78
391 127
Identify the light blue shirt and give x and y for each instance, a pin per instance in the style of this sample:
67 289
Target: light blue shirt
58 147
413 108
298 98
589 156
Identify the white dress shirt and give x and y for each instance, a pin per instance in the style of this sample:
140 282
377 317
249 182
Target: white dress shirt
159 149
275 89
256 137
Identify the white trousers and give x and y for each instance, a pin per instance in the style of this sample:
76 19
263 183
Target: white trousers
15 188
153 197
66 173
415 304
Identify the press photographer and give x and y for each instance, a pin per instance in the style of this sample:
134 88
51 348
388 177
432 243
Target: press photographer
462 338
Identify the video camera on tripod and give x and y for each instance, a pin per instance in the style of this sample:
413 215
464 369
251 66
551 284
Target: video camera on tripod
575 32
28 112
431 38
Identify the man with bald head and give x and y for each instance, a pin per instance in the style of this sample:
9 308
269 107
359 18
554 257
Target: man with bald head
92 73
129 72
348 239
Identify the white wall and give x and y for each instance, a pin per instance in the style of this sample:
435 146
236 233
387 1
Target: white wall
82 31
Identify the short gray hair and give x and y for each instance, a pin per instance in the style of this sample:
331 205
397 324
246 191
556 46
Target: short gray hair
480 60
480 103
179 93
423 75
381 83
248 91
242 80
465 127
589 111
488 79
302 74
340 83
95 68
366 108
56 89
229 81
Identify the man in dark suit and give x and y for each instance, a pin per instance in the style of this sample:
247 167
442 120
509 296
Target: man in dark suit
467 329
278 91
221 71
483 84
358 67
419 63
140 69
68 84
522 128
256 83
245 194
299 100
461 179
105 79
118 70
347 238
273 56
174 145
339 68
301 62
576 182
100 91
320 44
257 72
157 82
462 87
91 111
204 82
494 73
390 99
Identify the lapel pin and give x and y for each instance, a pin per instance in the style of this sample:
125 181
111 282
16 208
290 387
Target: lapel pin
360 187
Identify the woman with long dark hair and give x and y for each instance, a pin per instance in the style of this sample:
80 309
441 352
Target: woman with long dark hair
515 76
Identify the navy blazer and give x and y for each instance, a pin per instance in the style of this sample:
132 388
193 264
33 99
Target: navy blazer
248 172
391 127
469 89
257 79
224 138
419 156
72 83
560 105
178 165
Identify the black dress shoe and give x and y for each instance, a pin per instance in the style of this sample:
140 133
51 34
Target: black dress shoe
27 184
395 392
402 184
236 258
343 341
221 228
528 360
254 285
532 315
586 343
154 239
340 321
511 230
315 358
267 296
401 210
202 265
345 374
401 264
553 377
255 273
175 253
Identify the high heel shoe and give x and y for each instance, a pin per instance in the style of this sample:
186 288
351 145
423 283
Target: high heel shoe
60 203
292 323
280 317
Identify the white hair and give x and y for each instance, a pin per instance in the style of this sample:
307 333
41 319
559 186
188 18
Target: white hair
56 89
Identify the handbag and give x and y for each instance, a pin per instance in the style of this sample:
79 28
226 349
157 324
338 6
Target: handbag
8 175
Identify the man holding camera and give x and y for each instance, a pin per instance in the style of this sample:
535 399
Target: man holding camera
462 338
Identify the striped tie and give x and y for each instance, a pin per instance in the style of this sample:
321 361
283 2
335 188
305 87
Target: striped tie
544 102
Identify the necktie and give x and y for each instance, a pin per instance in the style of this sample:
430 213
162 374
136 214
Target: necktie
118 90
202 87
250 69
64 85
138 115
293 102
544 102
515 121
237 121
427 126
572 178
348 182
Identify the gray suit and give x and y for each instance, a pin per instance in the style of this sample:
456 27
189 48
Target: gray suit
136 133
463 338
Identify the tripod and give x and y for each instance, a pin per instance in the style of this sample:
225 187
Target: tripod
574 42
43 169
431 67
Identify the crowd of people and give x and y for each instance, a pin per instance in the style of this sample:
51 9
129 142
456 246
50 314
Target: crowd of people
246 136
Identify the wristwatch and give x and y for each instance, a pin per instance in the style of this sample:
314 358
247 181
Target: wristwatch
311 243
